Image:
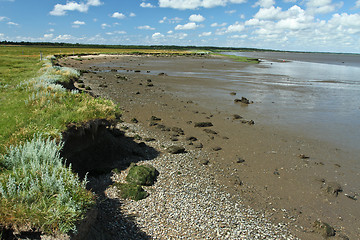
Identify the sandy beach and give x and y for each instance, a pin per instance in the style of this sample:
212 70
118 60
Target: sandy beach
286 177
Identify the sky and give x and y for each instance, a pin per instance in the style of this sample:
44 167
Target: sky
293 25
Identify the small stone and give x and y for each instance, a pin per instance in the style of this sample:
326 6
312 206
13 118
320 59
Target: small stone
204 162
175 149
134 120
236 116
216 149
323 229
303 156
191 139
333 188
153 118
198 145
209 131
240 160
233 93
203 124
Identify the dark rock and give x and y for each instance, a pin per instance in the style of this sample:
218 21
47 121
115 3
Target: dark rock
131 191
242 100
137 93
203 124
113 70
236 116
174 139
175 149
216 149
177 130
151 124
191 139
240 160
209 131
162 74
323 229
150 85
233 93
333 188
134 120
198 145
148 80
303 156
204 162
153 118
137 71
251 122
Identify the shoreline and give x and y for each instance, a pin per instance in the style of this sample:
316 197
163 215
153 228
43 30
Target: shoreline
273 176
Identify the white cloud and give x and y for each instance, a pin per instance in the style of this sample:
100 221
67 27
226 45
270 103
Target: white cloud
146 27
193 4
60 9
196 18
146 5
2 18
205 34
115 32
187 26
218 24
357 4
264 3
321 6
48 35
347 23
157 35
270 13
170 32
237 27
12 24
64 37
170 20
51 30
104 25
132 14
118 15
230 12
239 36
77 22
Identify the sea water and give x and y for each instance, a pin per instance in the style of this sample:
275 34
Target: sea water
316 93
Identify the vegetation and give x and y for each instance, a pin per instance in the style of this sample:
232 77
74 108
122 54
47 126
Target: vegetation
38 191
239 58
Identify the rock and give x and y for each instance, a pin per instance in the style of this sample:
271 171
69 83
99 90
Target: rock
276 172
333 188
203 124
150 85
113 70
352 196
191 139
240 160
131 191
134 120
233 93
216 149
204 162
323 229
144 175
177 130
303 156
137 71
149 80
174 139
209 131
175 149
151 124
251 122
198 145
242 100
236 116
137 93
153 118
162 74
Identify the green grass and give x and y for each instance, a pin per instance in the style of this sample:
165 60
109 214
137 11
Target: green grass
238 58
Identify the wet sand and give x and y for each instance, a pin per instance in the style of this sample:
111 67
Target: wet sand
283 174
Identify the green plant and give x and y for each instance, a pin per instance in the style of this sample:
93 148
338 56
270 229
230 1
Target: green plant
38 191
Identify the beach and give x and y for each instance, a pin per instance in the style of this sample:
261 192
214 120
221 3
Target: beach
289 179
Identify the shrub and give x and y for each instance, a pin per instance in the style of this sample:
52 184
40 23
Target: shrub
38 192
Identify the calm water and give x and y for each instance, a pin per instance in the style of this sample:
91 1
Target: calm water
316 93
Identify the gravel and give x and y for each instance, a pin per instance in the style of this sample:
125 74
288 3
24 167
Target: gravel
186 202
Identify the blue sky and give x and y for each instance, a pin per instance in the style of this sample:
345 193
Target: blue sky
300 25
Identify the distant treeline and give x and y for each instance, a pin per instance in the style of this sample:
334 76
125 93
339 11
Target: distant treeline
154 47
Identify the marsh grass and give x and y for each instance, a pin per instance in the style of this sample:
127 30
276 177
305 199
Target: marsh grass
238 58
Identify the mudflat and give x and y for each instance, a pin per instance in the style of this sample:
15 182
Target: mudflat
289 177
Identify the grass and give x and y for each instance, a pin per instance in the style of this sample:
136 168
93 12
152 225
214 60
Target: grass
238 58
